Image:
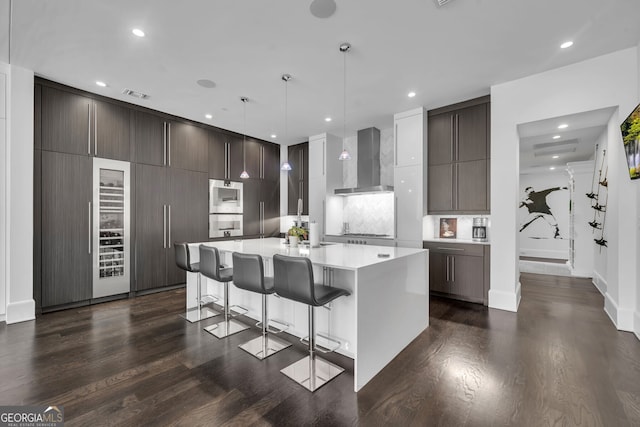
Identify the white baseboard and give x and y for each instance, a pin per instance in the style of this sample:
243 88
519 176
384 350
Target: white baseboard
636 324
600 283
622 318
3 318
544 253
21 311
508 301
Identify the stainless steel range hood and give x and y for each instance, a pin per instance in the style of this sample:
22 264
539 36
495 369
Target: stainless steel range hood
368 165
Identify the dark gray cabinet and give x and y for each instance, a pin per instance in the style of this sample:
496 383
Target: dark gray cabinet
261 202
150 139
270 162
66 228
458 153
75 124
225 156
459 271
188 147
298 179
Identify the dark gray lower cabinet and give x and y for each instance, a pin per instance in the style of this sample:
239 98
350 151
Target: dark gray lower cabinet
171 206
66 228
261 208
459 271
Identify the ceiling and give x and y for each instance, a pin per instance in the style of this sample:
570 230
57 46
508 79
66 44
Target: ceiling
445 54
576 142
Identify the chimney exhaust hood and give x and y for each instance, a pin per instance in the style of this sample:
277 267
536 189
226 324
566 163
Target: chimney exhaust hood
368 165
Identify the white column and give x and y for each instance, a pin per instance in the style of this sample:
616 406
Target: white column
4 71
18 247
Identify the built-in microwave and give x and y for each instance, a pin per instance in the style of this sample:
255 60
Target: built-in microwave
225 225
225 196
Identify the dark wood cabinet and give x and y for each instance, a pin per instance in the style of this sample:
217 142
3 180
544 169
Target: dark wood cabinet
253 158
151 227
188 147
66 122
150 139
225 156
270 162
459 271
298 179
111 131
261 202
66 228
458 153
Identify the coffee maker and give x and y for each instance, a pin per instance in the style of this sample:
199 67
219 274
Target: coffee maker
479 229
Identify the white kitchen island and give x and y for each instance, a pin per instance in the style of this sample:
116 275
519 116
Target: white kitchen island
388 306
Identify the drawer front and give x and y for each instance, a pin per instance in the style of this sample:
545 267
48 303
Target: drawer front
455 248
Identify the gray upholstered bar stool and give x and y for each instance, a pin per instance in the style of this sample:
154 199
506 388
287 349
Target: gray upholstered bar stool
248 274
293 279
183 261
210 267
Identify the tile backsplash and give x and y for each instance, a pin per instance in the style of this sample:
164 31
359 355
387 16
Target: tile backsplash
369 213
431 226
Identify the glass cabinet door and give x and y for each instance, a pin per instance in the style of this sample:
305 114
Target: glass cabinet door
110 227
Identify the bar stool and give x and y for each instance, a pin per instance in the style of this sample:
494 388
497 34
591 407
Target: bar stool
200 311
248 274
293 279
210 267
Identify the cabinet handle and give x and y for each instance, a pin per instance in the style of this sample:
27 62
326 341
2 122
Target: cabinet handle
450 249
395 145
447 259
395 218
89 131
453 269
457 153
226 160
95 129
452 135
323 156
323 215
169 221
164 144
169 157
454 184
90 230
164 226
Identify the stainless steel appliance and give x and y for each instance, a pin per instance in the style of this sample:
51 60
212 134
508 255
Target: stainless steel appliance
479 229
225 196
110 243
225 225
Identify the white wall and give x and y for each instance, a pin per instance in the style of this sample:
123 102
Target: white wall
605 81
18 203
637 312
537 239
4 71
601 253
583 233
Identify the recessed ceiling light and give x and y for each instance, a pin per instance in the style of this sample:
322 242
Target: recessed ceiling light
411 94
138 32
208 116
556 136
566 44
273 135
563 126
552 168
206 83
555 157
327 119
101 84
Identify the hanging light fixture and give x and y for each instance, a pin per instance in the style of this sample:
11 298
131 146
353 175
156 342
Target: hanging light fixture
344 48
244 174
286 166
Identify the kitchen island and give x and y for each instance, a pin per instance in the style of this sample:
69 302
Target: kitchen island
387 309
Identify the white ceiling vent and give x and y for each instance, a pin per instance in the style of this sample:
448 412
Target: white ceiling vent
135 94
442 2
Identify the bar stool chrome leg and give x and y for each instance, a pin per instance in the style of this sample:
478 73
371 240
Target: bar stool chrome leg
265 345
228 326
200 311
312 372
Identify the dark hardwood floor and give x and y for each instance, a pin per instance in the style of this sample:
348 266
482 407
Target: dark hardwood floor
558 361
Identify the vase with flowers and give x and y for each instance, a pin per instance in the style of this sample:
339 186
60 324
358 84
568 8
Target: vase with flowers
296 234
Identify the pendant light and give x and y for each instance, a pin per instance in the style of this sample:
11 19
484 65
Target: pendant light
244 174
344 48
286 166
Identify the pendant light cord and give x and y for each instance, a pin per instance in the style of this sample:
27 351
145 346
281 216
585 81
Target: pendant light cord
344 98
286 97
244 134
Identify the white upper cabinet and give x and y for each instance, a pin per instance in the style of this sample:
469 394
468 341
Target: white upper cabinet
408 134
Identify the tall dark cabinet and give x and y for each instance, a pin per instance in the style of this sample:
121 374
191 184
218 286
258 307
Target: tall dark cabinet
458 153
298 179
66 228
225 155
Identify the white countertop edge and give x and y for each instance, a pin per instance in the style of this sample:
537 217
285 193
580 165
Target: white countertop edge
459 241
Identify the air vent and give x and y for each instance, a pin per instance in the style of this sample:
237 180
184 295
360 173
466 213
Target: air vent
442 2
135 94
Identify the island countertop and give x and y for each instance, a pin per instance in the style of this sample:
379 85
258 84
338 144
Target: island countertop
335 255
